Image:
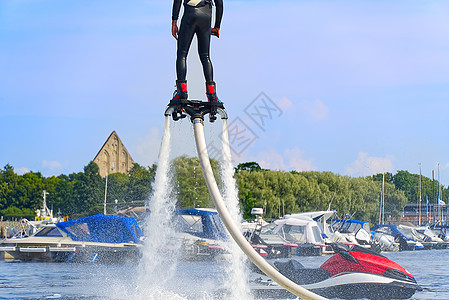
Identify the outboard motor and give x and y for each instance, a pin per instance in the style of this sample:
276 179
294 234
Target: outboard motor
363 237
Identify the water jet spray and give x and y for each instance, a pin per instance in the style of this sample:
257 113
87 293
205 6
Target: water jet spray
197 110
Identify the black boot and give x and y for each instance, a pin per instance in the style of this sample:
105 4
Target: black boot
211 92
181 90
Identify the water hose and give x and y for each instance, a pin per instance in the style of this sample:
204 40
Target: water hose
238 237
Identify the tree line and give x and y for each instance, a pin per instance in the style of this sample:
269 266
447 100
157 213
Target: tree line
278 192
75 195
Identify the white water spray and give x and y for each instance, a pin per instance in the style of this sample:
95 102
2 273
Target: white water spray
159 254
237 283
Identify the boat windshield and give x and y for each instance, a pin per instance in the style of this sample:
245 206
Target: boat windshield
136 232
79 229
349 227
219 225
200 225
408 232
268 229
189 223
293 233
317 234
49 231
385 230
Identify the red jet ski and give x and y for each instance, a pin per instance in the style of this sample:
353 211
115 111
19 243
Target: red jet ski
351 273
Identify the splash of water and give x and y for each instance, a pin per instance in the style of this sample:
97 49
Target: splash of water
237 283
159 254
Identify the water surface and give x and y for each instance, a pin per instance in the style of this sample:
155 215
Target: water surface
192 280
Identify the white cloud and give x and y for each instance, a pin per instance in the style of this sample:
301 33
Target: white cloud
285 104
52 165
366 165
22 170
290 159
316 110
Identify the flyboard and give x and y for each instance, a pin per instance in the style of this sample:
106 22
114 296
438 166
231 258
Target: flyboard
179 109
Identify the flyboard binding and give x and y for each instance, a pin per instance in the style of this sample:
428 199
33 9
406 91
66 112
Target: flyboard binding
179 109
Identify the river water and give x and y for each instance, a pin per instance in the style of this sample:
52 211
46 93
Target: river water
192 280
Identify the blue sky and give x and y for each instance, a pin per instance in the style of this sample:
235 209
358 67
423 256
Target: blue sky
359 87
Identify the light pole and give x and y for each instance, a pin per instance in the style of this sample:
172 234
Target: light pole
106 191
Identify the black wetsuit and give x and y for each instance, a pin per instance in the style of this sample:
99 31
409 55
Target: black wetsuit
196 20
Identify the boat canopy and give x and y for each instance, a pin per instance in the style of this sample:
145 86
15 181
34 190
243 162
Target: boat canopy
203 223
315 215
103 229
350 225
298 230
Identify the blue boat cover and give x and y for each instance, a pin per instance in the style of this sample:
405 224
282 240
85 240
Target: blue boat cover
210 226
349 221
103 229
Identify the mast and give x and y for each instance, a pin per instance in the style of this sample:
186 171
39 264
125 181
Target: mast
45 211
382 202
419 208
439 195
380 208
433 196
383 198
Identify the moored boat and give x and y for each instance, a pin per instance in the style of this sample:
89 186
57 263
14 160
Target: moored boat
289 237
356 232
429 235
393 233
201 232
98 238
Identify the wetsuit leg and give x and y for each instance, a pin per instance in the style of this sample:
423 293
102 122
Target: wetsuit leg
185 36
196 20
204 35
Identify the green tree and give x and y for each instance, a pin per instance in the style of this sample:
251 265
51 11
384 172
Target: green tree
3 194
408 183
248 166
248 205
190 184
32 186
388 177
291 192
117 190
88 191
140 183
63 197
11 179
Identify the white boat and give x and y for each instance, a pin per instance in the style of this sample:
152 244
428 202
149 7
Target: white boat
429 235
101 238
347 231
321 218
412 233
44 216
289 237
351 231
391 232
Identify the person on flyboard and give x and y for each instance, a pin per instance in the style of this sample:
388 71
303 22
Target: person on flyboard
197 19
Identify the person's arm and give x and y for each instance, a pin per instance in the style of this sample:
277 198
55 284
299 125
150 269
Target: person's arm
174 28
176 9
218 13
174 18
